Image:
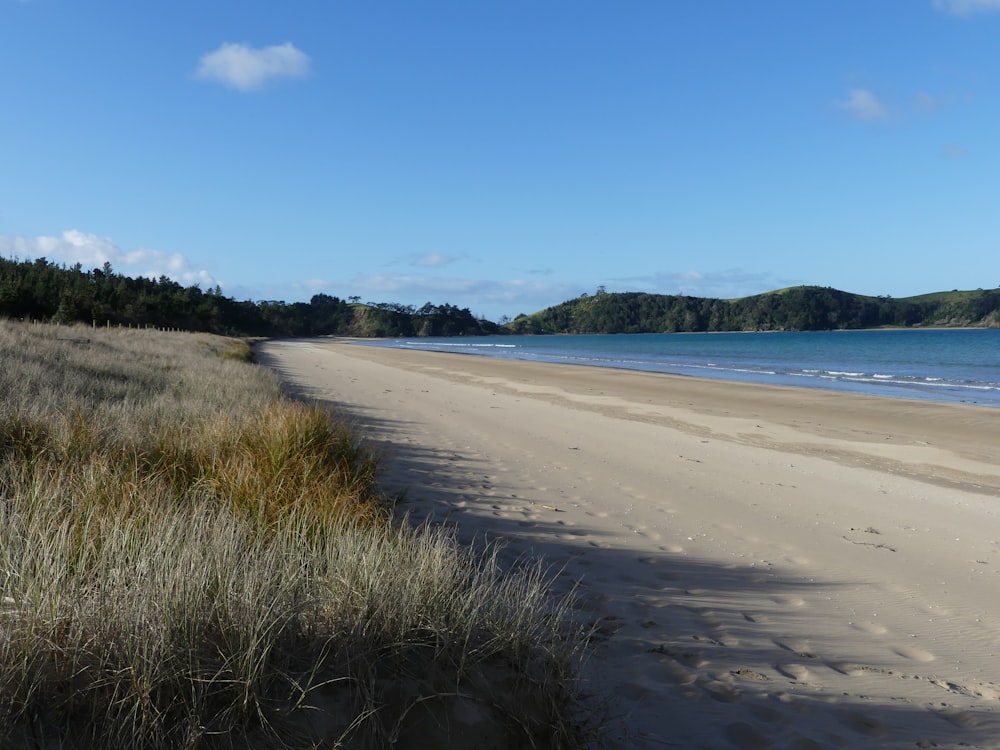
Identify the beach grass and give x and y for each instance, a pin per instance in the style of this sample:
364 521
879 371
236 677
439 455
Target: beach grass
189 558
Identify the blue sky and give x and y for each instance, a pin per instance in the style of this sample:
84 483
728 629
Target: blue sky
505 156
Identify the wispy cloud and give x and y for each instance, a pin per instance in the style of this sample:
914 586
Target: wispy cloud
246 68
927 104
431 260
488 297
91 251
863 105
725 284
496 297
493 298
967 7
955 151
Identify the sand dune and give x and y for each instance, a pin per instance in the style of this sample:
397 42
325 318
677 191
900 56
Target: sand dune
766 567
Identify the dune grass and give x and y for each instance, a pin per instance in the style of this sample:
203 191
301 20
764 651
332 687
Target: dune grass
189 559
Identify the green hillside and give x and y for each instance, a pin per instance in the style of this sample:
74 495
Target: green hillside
40 290
800 308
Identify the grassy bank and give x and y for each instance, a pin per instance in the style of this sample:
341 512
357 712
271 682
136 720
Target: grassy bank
189 559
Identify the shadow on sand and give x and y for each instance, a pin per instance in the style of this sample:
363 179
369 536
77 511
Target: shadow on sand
690 666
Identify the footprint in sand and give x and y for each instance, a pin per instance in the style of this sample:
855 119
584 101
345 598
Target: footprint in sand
798 560
847 668
796 672
799 648
910 652
722 691
961 719
708 618
788 600
862 723
872 628
987 691
676 673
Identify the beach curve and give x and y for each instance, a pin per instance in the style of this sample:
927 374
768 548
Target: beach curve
765 567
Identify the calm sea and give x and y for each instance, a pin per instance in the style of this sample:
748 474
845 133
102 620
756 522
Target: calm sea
939 365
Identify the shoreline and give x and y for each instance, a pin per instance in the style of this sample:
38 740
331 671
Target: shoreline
933 388
761 564
787 408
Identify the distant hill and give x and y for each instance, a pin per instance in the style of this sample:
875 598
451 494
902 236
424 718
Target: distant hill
45 291
800 308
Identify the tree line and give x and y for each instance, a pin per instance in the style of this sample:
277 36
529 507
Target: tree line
804 308
42 290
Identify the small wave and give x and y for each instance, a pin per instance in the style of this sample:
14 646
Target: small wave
453 345
919 382
721 368
883 374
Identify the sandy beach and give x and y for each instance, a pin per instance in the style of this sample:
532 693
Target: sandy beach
766 567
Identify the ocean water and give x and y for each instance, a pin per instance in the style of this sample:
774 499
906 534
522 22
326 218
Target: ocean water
936 364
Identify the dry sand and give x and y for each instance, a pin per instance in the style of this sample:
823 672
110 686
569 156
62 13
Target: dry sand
768 567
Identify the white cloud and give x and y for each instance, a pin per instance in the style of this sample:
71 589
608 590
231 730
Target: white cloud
864 105
432 260
967 7
246 68
92 251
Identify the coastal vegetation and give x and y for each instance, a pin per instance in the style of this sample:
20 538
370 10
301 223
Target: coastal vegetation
40 290
191 559
803 308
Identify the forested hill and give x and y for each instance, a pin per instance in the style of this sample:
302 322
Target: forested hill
803 308
40 290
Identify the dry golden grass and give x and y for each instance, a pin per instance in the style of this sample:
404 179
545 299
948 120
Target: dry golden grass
189 559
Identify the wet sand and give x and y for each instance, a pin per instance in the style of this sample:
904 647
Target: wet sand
766 567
